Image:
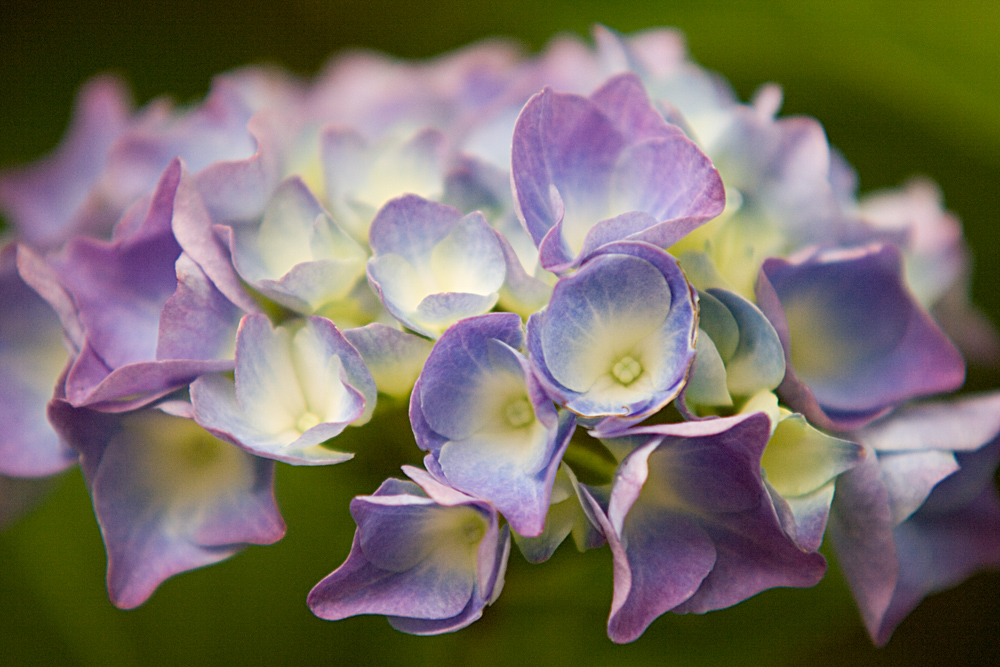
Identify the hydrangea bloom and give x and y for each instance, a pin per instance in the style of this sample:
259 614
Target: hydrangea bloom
489 426
168 496
293 390
428 557
692 527
619 304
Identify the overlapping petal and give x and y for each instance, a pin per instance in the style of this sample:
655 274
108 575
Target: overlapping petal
617 337
296 254
167 495
856 344
567 515
878 512
145 318
579 163
739 353
432 266
32 359
801 465
361 176
428 557
472 195
491 430
948 540
691 526
295 388
659 57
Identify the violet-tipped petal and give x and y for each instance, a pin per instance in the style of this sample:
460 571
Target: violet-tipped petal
490 428
617 338
426 556
856 344
168 496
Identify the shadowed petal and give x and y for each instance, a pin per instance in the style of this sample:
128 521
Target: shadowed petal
430 567
692 526
168 496
856 344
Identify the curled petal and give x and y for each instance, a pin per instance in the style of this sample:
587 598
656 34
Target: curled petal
430 567
579 161
691 525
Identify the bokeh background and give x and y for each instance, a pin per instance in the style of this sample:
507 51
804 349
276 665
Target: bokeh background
903 87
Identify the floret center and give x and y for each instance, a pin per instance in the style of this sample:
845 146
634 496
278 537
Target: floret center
627 370
306 421
473 530
519 412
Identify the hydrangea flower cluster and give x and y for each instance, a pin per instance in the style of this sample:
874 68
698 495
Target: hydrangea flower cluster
619 304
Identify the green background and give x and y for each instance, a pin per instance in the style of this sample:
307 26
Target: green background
903 87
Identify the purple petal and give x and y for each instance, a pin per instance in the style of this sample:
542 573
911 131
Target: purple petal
628 308
670 558
861 525
936 257
217 410
624 101
562 142
117 299
168 496
458 364
565 516
432 266
120 287
205 244
672 180
42 278
32 359
430 567
697 526
295 387
492 431
781 167
577 161
957 425
238 189
197 321
855 342
909 477
54 198
947 540
939 552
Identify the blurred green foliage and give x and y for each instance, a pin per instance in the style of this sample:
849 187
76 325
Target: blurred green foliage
903 87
